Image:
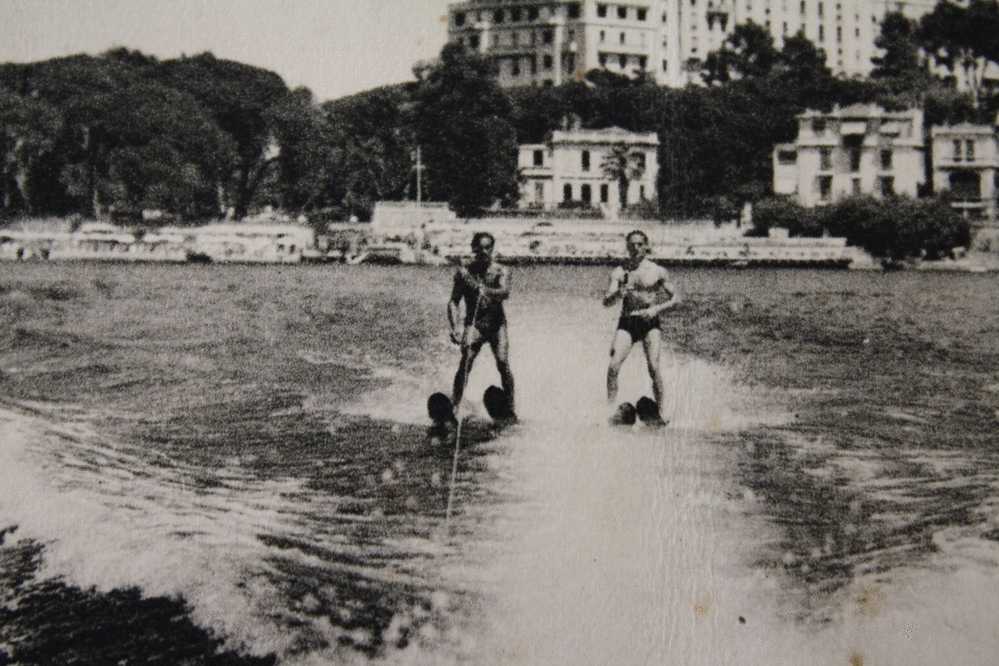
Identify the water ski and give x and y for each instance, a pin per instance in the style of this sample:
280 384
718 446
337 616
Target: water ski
647 410
497 404
624 415
440 409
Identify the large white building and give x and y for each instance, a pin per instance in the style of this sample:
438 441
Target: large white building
545 42
860 149
569 169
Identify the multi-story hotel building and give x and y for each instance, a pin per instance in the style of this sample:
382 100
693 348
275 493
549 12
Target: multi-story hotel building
548 42
569 169
860 149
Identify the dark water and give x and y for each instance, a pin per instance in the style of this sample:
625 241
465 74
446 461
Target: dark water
228 465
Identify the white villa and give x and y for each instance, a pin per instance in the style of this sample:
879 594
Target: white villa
569 168
966 163
860 149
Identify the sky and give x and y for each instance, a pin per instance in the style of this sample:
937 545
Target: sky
334 47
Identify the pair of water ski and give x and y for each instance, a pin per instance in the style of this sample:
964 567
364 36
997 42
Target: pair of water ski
644 411
442 411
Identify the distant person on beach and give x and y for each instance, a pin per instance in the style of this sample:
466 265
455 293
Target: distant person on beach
483 284
646 292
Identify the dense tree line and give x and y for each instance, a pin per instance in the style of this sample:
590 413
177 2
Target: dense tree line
199 136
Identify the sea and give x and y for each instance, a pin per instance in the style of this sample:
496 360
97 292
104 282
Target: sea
232 464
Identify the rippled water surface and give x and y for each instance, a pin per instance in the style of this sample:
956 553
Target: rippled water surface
232 465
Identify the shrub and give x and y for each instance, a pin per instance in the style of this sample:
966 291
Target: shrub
898 228
785 213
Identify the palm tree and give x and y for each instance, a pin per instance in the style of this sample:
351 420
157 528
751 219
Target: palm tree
623 165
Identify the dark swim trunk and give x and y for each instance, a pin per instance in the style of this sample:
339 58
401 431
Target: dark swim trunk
637 327
488 324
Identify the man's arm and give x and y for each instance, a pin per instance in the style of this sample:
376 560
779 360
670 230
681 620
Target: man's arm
665 288
501 292
614 288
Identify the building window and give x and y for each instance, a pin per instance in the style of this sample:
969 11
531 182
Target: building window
603 36
665 65
532 13
887 184
622 12
473 41
825 158
886 159
547 36
623 60
573 10
787 157
602 11
642 60
622 38
856 186
641 192
567 192
548 62
539 192
822 33
819 125
515 67
459 19
969 150
855 159
539 158
498 16
534 65
603 59
640 160
515 14
825 187
585 194
586 160
604 193
642 13
957 150
570 61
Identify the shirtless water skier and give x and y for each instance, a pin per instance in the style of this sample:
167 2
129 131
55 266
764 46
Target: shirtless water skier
646 293
483 285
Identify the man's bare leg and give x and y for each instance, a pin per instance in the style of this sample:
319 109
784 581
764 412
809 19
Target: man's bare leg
652 344
501 351
620 348
473 343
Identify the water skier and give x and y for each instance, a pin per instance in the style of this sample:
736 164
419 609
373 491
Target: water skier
483 284
646 292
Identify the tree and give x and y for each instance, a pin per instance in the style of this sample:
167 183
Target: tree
963 39
463 124
371 146
622 165
29 130
748 52
239 98
304 164
802 74
164 151
900 50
